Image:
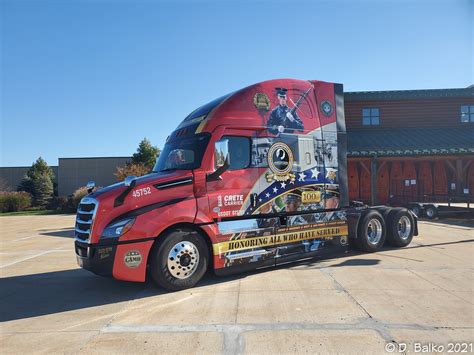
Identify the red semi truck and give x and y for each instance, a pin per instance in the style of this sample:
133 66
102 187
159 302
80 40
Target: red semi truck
252 179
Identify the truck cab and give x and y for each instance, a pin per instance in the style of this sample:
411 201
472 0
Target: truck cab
252 179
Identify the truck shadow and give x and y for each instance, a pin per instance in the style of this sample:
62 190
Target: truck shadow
60 291
64 232
35 295
42 294
48 293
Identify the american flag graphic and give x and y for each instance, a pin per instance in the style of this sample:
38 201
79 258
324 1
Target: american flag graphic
306 178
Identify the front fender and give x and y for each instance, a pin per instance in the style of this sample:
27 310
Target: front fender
138 241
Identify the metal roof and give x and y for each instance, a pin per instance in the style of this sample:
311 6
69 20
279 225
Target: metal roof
411 141
409 94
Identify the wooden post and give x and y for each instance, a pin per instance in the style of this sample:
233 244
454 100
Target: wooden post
373 181
459 178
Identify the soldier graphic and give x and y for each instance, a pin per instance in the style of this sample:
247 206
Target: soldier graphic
282 118
293 204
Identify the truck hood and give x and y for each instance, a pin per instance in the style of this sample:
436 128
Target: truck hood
142 181
150 191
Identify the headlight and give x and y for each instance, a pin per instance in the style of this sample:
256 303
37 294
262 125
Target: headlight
119 228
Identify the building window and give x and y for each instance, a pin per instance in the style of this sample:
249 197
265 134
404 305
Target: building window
370 116
467 113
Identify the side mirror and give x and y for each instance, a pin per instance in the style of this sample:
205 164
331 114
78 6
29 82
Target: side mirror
129 179
90 186
221 159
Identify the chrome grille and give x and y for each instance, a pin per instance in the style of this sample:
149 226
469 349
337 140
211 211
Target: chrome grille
85 218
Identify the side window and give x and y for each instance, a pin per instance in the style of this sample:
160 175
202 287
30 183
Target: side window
239 152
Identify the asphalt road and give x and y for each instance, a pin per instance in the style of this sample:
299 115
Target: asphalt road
359 303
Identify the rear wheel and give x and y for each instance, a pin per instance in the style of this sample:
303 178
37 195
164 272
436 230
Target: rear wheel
371 232
400 227
179 259
416 210
431 212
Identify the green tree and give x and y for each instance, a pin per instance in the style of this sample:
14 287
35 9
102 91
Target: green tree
130 169
40 167
38 181
27 185
43 186
146 154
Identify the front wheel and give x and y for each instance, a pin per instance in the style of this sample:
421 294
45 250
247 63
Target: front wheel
179 259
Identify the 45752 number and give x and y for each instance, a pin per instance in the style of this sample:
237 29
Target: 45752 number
141 192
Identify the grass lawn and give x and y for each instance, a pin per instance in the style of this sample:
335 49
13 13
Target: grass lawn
32 213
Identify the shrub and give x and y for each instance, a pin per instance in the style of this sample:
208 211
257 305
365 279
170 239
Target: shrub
131 169
14 201
59 203
77 197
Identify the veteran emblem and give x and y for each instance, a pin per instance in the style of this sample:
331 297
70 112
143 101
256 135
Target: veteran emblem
261 101
280 162
326 108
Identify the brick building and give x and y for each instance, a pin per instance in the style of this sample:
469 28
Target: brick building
411 145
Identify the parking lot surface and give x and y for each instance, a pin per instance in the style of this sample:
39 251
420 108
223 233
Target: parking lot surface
358 303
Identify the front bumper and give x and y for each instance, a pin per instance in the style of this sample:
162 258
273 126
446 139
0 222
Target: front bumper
96 258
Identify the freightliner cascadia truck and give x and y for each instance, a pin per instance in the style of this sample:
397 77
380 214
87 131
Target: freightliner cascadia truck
253 179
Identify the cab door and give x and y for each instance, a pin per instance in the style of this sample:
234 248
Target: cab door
244 240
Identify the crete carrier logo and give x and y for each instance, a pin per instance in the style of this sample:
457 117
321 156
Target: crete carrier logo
280 162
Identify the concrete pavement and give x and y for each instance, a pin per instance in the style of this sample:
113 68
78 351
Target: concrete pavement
357 303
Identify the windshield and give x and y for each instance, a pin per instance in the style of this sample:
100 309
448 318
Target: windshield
182 153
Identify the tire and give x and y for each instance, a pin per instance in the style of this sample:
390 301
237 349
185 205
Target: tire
179 259
384 211
431 212
371 232
416 210
400 227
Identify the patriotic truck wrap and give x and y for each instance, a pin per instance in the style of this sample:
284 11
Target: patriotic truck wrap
252 179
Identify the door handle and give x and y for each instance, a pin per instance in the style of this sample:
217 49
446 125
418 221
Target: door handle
253 199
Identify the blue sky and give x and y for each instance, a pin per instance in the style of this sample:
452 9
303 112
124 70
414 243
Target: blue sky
92 78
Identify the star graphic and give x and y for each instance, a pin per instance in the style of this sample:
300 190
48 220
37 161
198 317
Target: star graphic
275 190
283 185
292 182
260 199
301 176
315 173
267 195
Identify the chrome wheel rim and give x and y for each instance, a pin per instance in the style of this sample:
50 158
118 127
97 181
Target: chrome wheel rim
430 212
404 227
183 260
374 231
